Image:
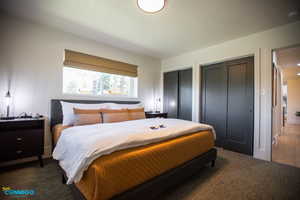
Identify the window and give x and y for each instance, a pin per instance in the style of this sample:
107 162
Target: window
87 82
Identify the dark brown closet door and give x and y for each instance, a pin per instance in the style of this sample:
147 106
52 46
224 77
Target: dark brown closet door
239 135
214 99
185 94
171 94
228 103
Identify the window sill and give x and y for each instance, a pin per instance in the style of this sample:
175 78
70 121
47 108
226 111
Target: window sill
101 97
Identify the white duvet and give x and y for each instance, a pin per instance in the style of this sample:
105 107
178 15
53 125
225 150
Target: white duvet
79 146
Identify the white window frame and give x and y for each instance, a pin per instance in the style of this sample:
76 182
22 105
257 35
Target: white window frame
132 94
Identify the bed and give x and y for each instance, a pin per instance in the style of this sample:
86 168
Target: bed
140 172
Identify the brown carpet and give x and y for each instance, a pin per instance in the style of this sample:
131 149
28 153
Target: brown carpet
235 177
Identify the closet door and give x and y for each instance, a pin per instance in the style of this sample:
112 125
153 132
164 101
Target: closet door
228 103
171 93
214 99
239 135
185 94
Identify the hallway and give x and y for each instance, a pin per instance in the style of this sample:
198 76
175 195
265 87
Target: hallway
287 149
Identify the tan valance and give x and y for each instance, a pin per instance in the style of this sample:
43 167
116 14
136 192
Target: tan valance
95 63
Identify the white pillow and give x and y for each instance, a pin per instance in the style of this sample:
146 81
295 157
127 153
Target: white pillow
116 106
68 112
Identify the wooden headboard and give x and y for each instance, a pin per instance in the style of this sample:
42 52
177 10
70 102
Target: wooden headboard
56 109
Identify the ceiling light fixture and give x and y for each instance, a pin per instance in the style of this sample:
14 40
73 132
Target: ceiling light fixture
298 74
151 6
298 64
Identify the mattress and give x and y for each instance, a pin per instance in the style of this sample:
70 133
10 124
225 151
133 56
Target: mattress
122 170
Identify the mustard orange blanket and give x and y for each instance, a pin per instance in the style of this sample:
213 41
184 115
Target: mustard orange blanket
79 146
115 173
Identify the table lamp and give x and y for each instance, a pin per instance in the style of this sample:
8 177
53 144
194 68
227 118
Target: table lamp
8 98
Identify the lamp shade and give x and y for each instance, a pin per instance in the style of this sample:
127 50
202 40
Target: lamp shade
7 97
151 6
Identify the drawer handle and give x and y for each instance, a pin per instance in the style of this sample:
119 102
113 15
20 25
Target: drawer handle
18 152
19 139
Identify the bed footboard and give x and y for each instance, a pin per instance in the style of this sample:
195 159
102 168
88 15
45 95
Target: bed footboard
154 187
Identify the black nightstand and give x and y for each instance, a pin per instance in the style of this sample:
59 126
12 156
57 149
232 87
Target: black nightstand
21 138
155 114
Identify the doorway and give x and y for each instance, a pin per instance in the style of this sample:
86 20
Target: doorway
286 106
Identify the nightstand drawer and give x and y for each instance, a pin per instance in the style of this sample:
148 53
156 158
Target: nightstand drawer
21 138
18 144
9 138
16 154
21 125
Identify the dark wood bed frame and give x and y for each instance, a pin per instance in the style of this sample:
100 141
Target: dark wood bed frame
152 188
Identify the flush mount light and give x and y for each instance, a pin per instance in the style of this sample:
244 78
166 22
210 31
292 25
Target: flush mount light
298 74
298 64
151 6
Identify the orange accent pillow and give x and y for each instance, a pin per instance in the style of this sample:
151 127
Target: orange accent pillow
86 111
87 116
87 119
137 113
110 116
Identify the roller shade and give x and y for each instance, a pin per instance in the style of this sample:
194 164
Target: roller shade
95 63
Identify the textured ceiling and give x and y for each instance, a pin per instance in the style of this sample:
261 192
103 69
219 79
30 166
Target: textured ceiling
288 59
184 25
